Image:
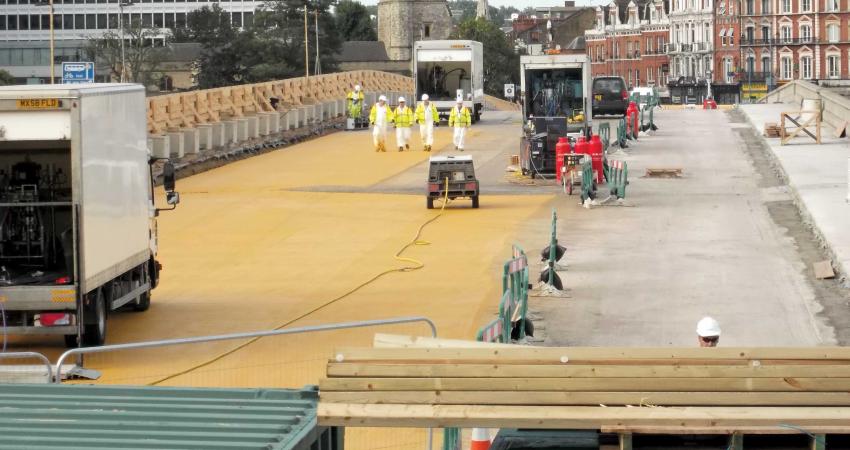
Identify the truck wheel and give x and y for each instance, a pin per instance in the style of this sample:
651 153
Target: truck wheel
429 202
143 303
94 333
475 201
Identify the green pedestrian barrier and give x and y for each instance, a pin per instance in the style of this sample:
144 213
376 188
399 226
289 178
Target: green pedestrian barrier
605 135
622 135
618 178
588 183
451 439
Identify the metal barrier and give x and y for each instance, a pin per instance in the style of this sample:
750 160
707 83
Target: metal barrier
32 355
622 133
227 337
605 135
618 178
554 254
588 184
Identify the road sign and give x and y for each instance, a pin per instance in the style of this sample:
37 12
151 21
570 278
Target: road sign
77 72
509 91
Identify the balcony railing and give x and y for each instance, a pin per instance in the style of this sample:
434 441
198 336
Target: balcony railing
780 41
754 77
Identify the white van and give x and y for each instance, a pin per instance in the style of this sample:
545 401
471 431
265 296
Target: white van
644 94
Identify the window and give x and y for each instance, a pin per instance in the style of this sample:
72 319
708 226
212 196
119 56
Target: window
832 32
57 21
806 65
833 68
785 33
785 68
765 32
806 33
68 21
805 5
157 20
101 22
751 34
786 6
426 31
751 7
169 20
91 21
832 5
765 64
731 36
23 22
723 37
180 20
637 77
237 19
2 27
79 22
147 20
727 70
765 6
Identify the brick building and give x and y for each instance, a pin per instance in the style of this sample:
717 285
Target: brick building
554 27
402 22
727 51
794 39
629 40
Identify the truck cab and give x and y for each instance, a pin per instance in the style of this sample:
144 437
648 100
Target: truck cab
446 70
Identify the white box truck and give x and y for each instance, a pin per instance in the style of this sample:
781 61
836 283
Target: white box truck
78 234
446 70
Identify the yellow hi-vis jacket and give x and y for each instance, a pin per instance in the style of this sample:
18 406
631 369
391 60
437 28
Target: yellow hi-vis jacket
464 120
373 114
403 117
355 103
420 113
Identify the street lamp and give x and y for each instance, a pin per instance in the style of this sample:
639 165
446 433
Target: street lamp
49 4
121 6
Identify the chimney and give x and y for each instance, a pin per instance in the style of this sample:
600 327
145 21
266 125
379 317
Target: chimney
569 3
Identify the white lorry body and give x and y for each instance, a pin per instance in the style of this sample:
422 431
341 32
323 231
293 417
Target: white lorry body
448 69
78 230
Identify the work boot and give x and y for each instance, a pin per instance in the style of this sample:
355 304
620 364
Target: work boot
427 148
456 148
407 146
401 149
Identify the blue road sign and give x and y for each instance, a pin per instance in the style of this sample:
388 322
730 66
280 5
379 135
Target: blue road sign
77 72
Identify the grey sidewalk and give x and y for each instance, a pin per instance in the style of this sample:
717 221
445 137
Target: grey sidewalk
818 175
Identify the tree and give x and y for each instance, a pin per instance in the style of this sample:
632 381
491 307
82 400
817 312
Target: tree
142 58
221 44
6 78
353 22
501 63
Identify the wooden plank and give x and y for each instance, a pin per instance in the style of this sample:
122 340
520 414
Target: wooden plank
823 270
400 341
582 371
841 129
557 398
718 430
580 417
597 353
743 384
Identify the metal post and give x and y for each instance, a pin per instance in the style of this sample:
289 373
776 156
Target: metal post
318 65
121 6
306 46
52 44
552 248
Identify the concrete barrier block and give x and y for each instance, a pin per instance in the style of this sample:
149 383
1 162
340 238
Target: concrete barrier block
229 131
219 135
253 124
305 115
269 123
205 136
341 104
159 146
191 141
175 144
370 98
318 112
242 129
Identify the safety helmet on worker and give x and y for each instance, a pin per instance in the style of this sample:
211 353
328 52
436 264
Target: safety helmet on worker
425 97
459 99
357 88
382 98
401 99
708 327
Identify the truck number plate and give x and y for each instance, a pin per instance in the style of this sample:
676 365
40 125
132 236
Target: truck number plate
598 97
38 103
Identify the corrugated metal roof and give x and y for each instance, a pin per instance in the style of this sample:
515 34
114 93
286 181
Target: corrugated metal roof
89 417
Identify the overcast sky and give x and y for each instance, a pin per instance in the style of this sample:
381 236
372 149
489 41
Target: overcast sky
519 3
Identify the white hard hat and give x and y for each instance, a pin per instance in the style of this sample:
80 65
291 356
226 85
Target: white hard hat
356 87
382 98
401 99
708 327
460 99
425 97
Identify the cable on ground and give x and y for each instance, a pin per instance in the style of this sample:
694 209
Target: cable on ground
415 265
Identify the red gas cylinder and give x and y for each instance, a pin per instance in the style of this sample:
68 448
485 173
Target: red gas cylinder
594 147
561 149
633 114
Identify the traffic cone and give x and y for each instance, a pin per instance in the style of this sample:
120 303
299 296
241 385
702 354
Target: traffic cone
480 439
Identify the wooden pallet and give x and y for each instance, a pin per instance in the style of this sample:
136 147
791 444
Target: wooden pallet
772 130
635 389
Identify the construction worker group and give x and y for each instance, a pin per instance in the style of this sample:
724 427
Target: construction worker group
425 115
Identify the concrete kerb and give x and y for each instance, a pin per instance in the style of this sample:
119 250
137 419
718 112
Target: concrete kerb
840 266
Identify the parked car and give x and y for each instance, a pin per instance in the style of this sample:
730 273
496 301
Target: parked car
610 96
643 95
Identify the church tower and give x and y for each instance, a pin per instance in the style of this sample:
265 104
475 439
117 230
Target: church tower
403 22
482 11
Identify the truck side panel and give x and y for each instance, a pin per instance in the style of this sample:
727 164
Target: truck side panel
115 181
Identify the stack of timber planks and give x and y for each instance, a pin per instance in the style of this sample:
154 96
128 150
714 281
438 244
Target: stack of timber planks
670 390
